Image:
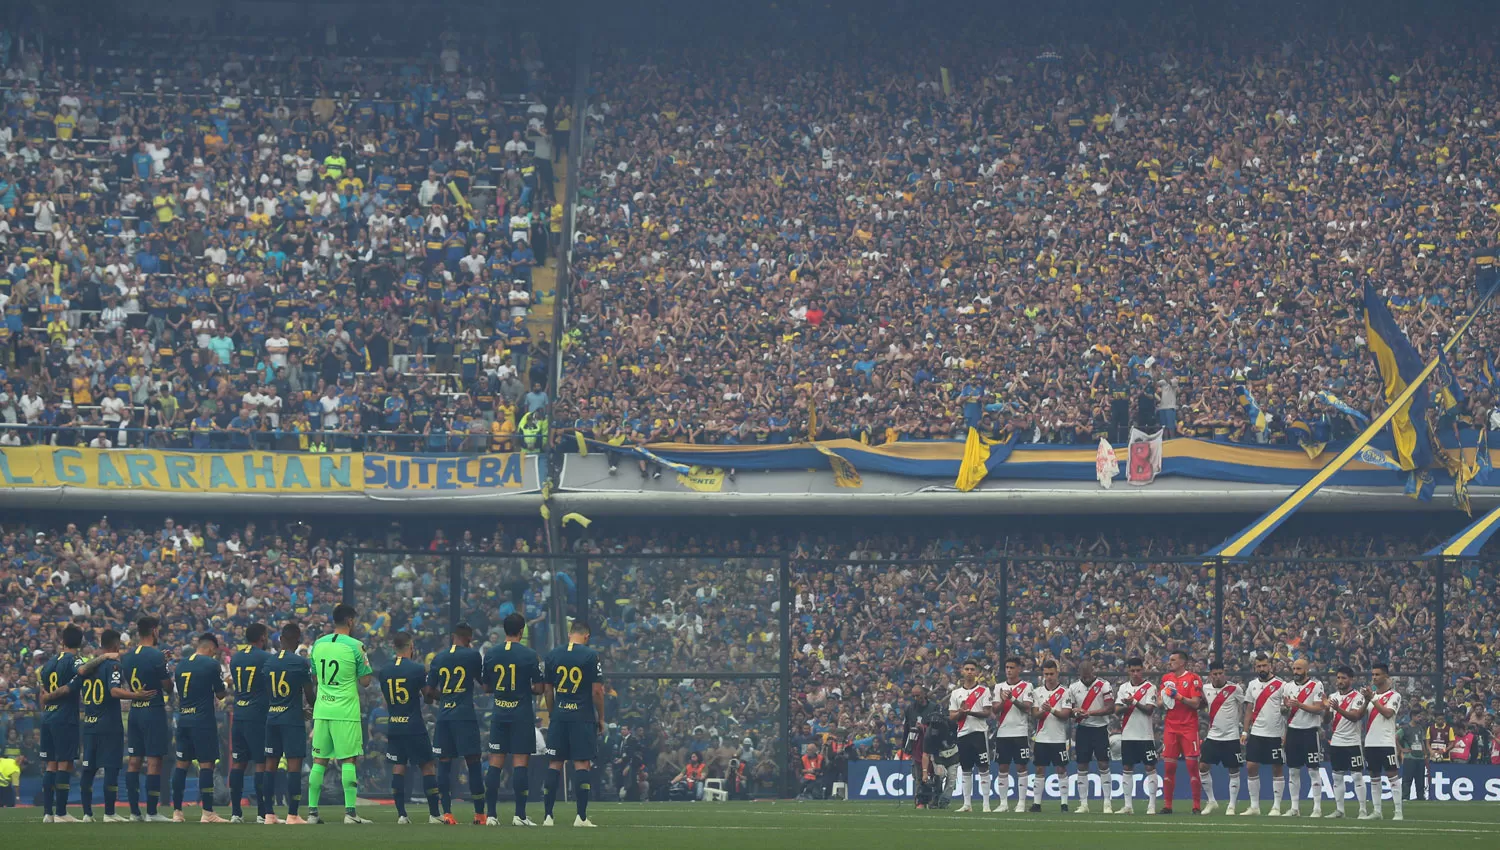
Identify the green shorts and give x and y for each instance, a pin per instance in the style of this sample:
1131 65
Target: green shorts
337 739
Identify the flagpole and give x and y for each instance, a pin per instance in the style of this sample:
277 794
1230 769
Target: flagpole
1249 537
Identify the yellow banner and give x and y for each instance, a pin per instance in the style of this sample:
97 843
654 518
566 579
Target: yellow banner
704 479
257 472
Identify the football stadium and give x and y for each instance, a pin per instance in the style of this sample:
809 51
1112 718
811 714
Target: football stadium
755 423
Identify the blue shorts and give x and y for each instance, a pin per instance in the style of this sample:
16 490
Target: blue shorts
147 735
103 751
286 739
247 740
197 743
571 741
517 739
59 742
455 739
413 748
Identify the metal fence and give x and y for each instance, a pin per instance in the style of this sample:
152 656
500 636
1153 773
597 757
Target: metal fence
760 655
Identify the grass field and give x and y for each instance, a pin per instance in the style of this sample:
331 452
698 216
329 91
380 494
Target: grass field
823 826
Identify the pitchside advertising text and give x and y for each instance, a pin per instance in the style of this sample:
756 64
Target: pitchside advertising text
889 780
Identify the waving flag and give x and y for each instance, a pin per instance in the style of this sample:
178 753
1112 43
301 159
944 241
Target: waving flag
1340 405
1252 410
1399 366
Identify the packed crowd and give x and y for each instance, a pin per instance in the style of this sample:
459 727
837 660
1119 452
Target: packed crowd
229 239
1051 238
872 612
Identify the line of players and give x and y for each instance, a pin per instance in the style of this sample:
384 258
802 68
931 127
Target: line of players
273 695
1266 721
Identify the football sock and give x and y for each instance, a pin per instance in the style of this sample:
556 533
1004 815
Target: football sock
64 780
314 785
1338 791
1255 791
49 781
1153 781
520 782
206 788
1377 793
445 784
153 792
549 791
1276 791
1362 789
1315 775
236 791
581 779
968 787
491 789
1234 788
984 787
1128 776
351 786
1005 787
86 790
133 790
293 791
1396 795
398 793
111 788
1037 782
430 790
1195 779
1294 787
476 785
263 805
179 786
1169 782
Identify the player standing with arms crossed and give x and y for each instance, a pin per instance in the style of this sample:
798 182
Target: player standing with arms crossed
513 673
247 747
1304 702
1096 704
340 667
289 681
406 741
1012 708
574 696
1262 733
1383 702
969 710
200 685
1181 696
1344 752
1136 704
144 669
1225 701
1050 708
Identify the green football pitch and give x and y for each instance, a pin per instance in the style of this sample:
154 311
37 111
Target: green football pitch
823 826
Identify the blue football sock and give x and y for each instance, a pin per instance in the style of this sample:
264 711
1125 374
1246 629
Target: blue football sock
111 788
476 786
434 799
133 790
179 786
491 789
206 788
86 790
398 791
445 785
582 778
236 791
153 792
520 783
549 791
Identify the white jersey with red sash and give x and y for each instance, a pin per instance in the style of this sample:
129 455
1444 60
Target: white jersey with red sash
976 698
1051 729
1136 725
1224 710
1309 691
1380 731
1014 720
1092 697
1266 719
1346 732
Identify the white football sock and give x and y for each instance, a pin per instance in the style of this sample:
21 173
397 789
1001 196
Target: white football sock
1362 789
1207 781
1005 787
1234 787
1037 781
1396 793
1255 791
1294 786
1316 775
1276 791
1338 791
968 787
1129 787
984 781
1377 792
1153 781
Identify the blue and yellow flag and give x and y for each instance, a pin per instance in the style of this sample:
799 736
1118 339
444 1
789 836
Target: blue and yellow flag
1484 468
1420 484
1252 410
1447 394
1487 368
1340 405
1306 435
1467 543
1399 364
1376 457
844 473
